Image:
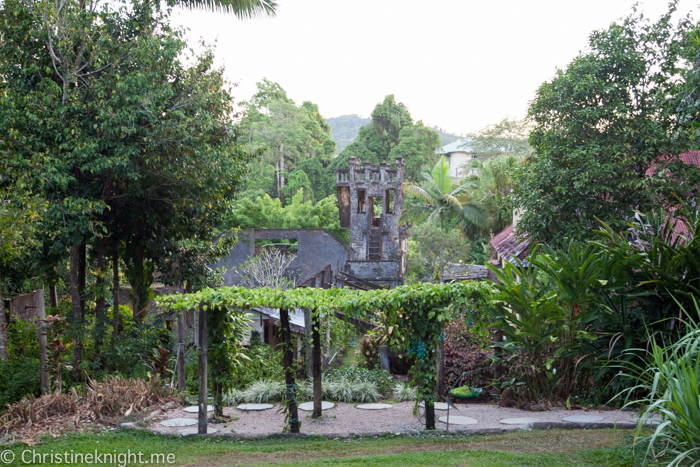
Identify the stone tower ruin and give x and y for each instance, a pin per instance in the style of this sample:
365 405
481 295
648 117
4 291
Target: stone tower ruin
370 201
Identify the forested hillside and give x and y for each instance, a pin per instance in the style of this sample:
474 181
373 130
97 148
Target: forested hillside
346 128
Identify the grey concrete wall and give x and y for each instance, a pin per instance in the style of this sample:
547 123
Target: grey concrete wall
318 248
381 272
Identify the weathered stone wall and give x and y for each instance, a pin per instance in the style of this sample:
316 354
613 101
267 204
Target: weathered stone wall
318 248
374 238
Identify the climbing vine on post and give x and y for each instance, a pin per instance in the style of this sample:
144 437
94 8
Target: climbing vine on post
419 312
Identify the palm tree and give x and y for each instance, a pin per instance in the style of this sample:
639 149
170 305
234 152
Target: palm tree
241 8
494 181
438 198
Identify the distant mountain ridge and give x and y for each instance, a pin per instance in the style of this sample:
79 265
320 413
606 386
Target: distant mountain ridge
346 128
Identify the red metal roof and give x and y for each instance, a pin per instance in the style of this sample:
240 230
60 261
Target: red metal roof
690 157
507 245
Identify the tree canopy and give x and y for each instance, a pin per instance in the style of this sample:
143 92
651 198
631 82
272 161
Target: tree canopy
390 134
600 125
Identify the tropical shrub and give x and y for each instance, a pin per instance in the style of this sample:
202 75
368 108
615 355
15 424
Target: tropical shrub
466 350
263 363
670 378
19 375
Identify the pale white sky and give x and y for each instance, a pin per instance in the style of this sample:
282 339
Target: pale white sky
458 64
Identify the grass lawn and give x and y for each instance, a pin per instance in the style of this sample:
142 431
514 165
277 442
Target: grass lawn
597 448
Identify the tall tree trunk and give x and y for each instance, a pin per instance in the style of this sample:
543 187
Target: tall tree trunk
441 367
316 353
139 286
53 296
281 174
4 354
77 309
289 371
82 276
41 331
100 302
429 416
115 289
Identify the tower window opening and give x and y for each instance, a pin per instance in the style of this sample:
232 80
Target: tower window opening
360 201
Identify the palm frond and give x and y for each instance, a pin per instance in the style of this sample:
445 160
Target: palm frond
475 214
413 213
440 175
243 9
411 188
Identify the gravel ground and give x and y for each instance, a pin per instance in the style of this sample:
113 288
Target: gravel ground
345 418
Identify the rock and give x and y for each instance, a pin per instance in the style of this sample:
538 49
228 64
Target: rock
507 399
128 424
152 415
536 408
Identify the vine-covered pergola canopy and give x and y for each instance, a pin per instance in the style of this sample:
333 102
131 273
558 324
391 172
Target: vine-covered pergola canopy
417 313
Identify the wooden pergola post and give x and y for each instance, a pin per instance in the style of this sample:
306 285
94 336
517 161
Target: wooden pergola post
41 330
316 357
289 371
203 403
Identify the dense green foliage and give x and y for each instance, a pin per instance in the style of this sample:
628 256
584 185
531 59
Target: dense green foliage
226 333
577 309
437 201
601 124
293 142
669 378
268 213
19 374
430 248
506 138
392 134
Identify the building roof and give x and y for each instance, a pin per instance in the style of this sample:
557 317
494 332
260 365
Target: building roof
296 317
461 145
690 157
508 246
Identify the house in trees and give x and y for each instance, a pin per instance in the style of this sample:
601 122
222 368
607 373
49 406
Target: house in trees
370 202
459 155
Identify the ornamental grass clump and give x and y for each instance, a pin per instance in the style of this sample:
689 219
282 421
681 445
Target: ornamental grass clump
264 391
345 390
671 380
403 392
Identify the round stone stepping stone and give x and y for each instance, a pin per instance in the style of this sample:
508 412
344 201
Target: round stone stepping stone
519 421
459 420
374 406
583 419
195 430
179 422
254 407
195 409
309 406
438 405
